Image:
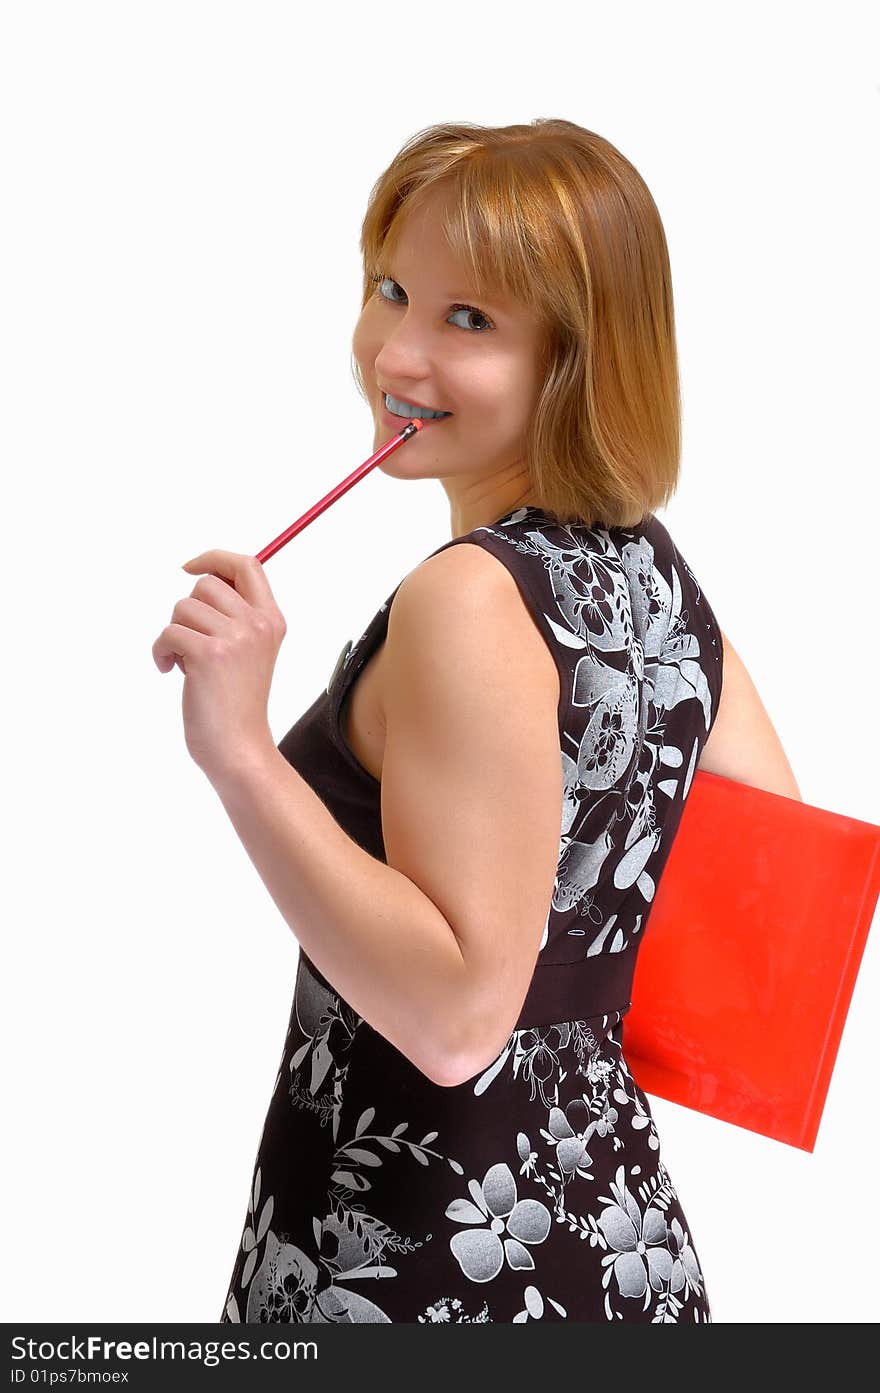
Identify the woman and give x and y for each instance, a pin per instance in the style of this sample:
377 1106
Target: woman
466 829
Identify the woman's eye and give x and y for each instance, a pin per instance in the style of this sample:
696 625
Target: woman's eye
456 309
385 280
469 310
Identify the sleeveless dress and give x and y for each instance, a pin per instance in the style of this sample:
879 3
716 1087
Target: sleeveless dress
535 1190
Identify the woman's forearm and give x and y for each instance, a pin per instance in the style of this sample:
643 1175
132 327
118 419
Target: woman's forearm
376 937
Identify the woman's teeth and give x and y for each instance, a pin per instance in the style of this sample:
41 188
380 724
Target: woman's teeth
403 408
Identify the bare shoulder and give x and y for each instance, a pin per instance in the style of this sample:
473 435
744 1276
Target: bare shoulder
743 743
464 605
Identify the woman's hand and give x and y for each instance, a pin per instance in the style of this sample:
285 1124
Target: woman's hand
225 637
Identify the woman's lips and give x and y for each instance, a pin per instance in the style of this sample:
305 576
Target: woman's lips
398 422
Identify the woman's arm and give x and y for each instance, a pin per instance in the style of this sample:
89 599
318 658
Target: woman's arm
743 743
435 949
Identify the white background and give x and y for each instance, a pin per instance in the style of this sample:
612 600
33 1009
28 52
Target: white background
183 187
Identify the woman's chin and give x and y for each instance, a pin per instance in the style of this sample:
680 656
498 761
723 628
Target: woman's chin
396 468
412 460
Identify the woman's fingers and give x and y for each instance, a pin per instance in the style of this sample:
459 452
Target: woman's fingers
220 595
205 618
175 644
232 599
245 573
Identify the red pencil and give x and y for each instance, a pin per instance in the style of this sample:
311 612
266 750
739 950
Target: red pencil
316 509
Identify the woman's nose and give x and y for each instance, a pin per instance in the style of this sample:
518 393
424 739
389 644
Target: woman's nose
403 353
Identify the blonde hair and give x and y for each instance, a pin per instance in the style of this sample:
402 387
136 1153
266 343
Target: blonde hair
555 216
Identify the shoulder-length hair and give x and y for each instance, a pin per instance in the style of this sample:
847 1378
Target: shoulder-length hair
555 216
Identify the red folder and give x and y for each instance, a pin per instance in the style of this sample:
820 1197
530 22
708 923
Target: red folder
750 955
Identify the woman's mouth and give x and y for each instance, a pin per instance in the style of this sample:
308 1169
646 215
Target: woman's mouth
395 407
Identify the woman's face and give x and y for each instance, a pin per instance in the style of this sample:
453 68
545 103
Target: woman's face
480 362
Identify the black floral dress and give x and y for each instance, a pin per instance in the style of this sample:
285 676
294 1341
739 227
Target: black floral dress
535 1190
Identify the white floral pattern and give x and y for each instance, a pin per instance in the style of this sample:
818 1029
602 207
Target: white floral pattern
536 1189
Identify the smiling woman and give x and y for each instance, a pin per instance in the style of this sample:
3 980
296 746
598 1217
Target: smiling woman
472 819
519 277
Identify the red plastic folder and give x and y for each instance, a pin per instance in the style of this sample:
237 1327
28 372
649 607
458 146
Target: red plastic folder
750 955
